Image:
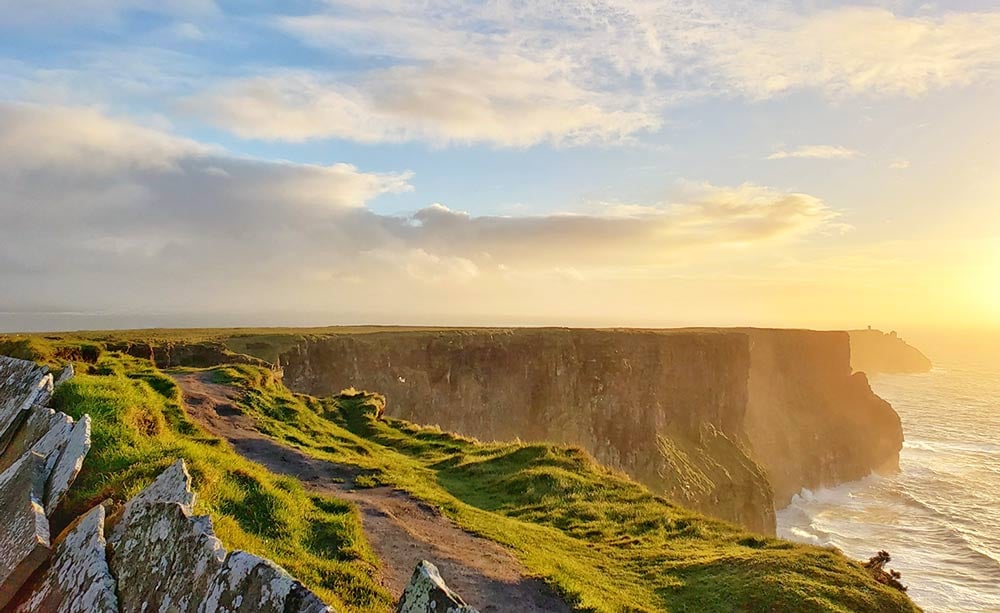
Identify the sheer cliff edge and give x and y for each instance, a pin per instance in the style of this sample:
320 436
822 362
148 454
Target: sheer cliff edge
732 422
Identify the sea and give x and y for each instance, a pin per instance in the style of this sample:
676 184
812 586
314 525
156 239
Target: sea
939 517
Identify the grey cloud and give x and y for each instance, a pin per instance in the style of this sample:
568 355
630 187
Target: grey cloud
115 215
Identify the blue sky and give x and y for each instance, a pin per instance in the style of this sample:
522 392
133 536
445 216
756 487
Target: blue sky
618 162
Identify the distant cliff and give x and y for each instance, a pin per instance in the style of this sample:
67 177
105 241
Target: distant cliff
873 351
729 422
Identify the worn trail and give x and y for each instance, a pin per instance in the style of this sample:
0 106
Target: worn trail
401 529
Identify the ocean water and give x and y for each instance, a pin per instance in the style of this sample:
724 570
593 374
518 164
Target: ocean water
939 517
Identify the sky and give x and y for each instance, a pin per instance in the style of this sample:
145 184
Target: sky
799 163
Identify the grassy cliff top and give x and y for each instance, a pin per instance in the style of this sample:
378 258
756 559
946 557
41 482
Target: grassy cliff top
602 541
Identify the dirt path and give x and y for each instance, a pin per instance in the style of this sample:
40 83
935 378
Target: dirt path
401 529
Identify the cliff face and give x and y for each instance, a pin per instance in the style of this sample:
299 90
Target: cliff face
709 418
810 421
873 351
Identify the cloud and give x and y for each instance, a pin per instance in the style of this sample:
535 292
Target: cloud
899 164
582 72
856 50
508 102
115 215
815 152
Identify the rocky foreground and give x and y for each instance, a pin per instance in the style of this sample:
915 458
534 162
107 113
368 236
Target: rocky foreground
149 554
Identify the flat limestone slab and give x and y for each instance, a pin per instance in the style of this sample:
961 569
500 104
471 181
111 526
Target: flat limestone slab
68 466
24 529
22 384
78 580
250 584
164 561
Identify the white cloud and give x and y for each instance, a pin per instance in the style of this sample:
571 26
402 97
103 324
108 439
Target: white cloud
508 101
582 72
899 164
113 214
856 50
815 152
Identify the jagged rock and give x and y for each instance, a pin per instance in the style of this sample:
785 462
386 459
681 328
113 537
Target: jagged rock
164 561
876 568
43 432
78 580
66 374
24 529
22 384
69 464
427 593
172 485
248 584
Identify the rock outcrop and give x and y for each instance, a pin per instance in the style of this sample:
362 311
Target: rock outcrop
247 584
428 593
726 421
158 557
33 439
167 560
24 529
873 351
78 580
22 385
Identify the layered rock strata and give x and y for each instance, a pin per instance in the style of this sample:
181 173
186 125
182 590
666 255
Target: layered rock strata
731 422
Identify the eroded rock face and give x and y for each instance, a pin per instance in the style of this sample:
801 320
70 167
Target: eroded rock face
78 579
24 529
811 421
665 408
730 422
249 584
427 593
69 464
22 385
164 562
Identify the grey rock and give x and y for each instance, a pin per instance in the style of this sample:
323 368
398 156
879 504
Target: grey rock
69 464
78 579
43 432
172 485
248 584
163 560
22 384
66 374
24 529
427 593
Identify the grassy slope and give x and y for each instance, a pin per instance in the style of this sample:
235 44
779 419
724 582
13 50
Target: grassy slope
606 543
139 428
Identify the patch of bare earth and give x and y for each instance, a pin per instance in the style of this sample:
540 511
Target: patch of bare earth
401 529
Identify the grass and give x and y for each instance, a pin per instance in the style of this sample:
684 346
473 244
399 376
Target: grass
140 428
602 541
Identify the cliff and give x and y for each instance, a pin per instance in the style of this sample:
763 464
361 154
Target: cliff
873 351
810 420
729 422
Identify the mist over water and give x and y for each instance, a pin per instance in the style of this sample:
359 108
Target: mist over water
939 517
